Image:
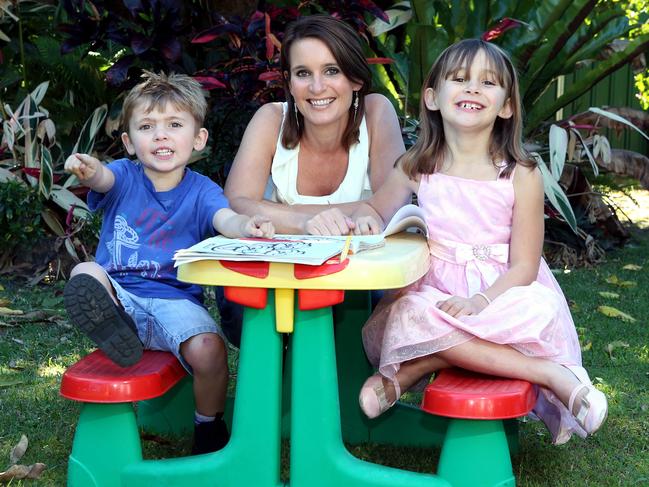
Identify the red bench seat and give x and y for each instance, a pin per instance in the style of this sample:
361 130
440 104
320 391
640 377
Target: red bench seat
459 393
96 378
481 434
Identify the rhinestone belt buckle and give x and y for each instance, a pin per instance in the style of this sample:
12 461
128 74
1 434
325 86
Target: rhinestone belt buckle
481 252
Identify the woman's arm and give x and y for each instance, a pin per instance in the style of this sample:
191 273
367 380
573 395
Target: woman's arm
386 142
251 169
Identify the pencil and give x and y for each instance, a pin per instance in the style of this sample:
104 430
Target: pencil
343 254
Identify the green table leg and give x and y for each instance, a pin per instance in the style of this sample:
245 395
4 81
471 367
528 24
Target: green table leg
252 457
105 441
476 454
403 425
170 414
318 456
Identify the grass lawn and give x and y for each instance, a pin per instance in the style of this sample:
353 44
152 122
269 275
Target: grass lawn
33 355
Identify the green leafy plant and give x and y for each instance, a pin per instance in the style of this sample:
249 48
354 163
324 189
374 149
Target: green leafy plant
576 148
235 57
20 216
30 156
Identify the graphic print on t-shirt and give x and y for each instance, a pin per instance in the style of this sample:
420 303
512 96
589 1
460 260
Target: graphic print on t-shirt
124 250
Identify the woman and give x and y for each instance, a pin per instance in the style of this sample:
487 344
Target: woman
332 143
306 163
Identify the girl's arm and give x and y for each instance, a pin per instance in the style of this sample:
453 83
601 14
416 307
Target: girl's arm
371 216
525 246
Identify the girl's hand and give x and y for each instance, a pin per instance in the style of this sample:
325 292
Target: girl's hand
82 166
367 225
457 306
331 221
258 226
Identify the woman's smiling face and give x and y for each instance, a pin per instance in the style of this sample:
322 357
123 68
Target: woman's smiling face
322 92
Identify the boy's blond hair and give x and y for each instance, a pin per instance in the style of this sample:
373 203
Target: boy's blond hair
158 89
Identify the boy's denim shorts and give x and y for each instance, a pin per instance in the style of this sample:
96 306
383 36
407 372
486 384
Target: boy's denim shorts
163 324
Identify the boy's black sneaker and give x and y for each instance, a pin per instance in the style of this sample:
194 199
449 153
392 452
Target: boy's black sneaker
210 437
94 312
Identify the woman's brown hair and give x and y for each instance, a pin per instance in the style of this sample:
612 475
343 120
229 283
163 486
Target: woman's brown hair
345 45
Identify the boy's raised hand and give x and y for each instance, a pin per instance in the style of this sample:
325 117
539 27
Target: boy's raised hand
258 226
82 166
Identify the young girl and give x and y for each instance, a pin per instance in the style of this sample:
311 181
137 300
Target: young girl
489 302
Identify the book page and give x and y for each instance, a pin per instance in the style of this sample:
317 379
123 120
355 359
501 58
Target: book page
408 216
313 251
358 243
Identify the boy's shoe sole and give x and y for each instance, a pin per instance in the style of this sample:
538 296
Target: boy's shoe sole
93 311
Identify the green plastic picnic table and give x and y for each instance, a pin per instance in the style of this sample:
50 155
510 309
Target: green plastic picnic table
317 394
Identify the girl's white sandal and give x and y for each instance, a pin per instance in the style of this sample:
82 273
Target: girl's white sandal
593 407
372 398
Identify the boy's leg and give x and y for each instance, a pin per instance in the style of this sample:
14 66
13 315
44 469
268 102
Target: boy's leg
187 329
91 305
207 355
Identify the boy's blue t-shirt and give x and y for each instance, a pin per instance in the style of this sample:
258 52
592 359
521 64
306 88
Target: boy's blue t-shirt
143 228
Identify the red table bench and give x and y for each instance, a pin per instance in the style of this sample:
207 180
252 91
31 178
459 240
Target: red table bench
477 445
155 394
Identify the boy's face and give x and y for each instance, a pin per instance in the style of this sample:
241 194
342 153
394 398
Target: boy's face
163 141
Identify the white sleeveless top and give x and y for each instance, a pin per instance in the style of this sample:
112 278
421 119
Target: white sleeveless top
282 184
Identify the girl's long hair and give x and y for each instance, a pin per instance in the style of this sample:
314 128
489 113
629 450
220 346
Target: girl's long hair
345 45
428 153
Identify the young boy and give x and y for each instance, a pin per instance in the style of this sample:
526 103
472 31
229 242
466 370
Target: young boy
151 207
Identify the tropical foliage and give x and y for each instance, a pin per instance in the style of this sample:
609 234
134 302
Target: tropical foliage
31 164
546 40
87 54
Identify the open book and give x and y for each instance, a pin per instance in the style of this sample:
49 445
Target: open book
301 249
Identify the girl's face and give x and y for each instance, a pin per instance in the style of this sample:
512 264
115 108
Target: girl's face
322 93
470 98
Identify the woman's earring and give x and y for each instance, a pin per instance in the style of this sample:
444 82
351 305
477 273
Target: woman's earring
356 97
297 119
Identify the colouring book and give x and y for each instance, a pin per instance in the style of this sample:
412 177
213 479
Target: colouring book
300 249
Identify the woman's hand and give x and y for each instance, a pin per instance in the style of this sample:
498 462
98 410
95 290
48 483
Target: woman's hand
457 306
331 221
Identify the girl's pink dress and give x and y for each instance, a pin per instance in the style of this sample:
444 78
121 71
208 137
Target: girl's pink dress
469 226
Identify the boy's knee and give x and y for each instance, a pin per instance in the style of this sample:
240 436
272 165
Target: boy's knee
206 350
91 268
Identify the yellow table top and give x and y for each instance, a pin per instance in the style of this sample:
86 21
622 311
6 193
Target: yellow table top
403 260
